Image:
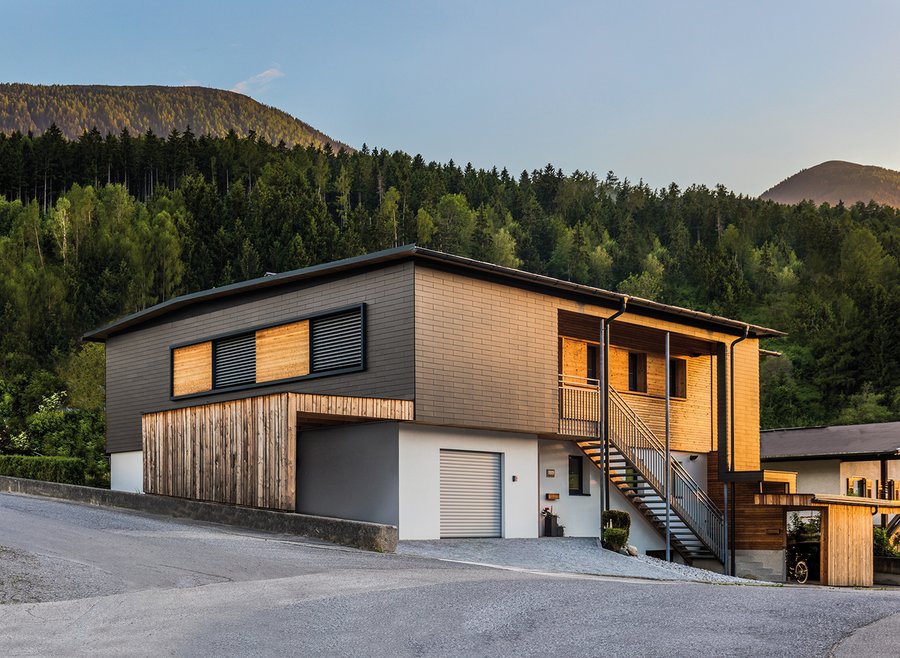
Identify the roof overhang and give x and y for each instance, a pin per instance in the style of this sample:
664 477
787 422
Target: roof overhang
465 266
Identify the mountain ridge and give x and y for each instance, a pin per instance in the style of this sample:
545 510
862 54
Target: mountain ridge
75 109
835 181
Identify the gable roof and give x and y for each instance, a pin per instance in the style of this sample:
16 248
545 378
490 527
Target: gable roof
876 439
466 266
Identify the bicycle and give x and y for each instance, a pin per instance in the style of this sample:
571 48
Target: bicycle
799 572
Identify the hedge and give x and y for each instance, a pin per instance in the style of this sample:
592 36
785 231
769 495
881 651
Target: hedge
69 470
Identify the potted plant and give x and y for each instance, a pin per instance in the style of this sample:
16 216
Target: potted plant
551 523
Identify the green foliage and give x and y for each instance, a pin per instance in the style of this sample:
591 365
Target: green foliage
884 545
69 470
614 518
616 527
615 538
101 226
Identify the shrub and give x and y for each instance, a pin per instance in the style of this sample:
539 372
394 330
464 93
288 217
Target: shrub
615 538
69 470
884 547
616 519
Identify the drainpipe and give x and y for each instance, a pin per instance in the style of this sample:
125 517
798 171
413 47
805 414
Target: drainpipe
731 451
605 398
883 492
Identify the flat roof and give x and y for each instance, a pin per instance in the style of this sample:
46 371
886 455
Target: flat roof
466 266
875 439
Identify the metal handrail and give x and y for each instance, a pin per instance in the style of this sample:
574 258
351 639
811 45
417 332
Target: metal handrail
629 434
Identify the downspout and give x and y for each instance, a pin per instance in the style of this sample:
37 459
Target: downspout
731 451
605 399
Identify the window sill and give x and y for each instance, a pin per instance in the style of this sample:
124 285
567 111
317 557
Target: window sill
578 493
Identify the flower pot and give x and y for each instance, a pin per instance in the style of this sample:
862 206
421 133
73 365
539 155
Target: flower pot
551 527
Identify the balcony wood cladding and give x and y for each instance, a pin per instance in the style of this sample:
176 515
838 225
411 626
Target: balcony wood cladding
282 352
192 369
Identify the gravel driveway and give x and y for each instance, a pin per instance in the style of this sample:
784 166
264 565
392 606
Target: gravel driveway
560 555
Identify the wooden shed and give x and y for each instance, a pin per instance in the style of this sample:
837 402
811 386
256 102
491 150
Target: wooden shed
847 556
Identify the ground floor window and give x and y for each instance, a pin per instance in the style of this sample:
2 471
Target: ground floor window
804 535
576 476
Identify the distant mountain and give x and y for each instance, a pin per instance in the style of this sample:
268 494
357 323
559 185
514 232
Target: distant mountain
76 108
835 181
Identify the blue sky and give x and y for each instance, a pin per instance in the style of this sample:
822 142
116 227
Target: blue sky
742 94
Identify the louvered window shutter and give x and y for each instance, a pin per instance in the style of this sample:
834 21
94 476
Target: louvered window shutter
337 341
234 361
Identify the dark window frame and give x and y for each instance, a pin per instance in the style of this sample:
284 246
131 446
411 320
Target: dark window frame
578 471
252 330
637 372
678 384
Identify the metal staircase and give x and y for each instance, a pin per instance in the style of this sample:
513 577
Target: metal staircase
637 467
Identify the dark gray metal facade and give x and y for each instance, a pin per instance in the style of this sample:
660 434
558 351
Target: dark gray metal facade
138 368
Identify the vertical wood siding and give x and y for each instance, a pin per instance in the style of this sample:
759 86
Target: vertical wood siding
241 452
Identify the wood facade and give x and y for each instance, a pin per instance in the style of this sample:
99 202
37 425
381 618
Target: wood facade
244 452
241 452
489 356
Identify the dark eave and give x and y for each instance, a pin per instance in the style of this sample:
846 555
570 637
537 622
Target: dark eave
437 258
850 442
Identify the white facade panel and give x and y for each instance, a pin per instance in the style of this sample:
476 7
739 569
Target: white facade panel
126 471
420 478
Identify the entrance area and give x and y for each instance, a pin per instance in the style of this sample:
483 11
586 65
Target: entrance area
471 496
803 552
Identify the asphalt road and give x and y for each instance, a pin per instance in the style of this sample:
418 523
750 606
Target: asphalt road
92 581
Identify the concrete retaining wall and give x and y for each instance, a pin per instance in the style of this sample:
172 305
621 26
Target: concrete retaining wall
360 534
887 570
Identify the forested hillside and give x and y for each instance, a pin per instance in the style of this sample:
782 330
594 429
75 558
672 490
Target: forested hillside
836 181
94 228
76 109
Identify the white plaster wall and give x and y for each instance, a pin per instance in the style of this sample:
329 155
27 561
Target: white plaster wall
814 476
419 456
581 514
696 468
126 471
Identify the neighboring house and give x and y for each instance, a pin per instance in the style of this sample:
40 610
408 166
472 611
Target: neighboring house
852 460
846 479
450 397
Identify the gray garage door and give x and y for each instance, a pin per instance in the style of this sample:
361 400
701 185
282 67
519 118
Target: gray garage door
470 494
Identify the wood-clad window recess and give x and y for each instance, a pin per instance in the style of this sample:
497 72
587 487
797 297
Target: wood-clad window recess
859 487
282 352
192 369
576 476
678 378
580 362
637 372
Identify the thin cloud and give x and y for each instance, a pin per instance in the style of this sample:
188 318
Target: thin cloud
259 82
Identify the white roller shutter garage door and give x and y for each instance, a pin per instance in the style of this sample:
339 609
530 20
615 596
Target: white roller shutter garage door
471 497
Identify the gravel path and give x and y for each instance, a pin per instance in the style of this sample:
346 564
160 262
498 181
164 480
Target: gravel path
579 555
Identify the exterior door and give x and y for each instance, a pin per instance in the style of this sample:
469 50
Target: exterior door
471 494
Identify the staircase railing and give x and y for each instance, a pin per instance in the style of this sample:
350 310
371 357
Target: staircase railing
640 446
580 415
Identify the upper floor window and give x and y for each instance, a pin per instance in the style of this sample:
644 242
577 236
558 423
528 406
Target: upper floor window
324 344
678 378
637 372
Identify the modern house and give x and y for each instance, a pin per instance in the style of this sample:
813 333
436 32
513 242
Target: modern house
449 397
